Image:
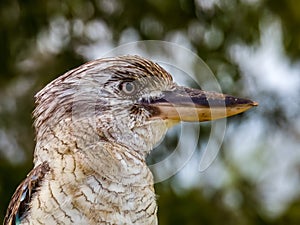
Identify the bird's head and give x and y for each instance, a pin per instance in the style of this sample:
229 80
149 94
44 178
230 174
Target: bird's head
128 100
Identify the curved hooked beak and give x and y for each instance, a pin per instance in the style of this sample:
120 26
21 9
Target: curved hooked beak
191 105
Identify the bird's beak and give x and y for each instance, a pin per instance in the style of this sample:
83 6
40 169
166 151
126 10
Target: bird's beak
190 105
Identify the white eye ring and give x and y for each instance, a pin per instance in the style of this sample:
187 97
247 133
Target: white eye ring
128 88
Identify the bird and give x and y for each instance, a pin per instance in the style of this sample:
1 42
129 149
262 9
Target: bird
94 126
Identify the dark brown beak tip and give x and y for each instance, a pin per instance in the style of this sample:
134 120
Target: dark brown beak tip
231 101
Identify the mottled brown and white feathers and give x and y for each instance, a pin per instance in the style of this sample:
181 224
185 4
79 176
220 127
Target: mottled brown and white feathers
95 90
18 206
94 127
94 137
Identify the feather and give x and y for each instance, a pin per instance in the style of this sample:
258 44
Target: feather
20 201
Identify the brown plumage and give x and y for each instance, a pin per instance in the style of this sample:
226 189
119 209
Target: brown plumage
94 127
23 194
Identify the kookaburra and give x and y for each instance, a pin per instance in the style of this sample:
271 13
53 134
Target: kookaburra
94 127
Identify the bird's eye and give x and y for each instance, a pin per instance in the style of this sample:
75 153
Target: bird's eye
129 88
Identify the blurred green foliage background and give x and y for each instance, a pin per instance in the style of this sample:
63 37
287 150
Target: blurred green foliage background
256 178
